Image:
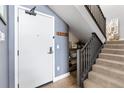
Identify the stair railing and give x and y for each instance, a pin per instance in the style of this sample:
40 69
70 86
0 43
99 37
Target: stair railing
98 16
86 57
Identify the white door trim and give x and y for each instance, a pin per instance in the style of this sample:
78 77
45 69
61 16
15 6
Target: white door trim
16 29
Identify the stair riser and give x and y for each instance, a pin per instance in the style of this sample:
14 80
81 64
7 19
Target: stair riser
115 42
109 67
114 75
112 65
113 52
112 57
114 46
103 82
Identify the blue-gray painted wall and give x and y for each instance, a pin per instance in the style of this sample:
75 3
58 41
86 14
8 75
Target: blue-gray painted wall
3 58
11 57
61 54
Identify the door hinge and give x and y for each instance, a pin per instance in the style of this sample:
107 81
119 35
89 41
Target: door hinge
18 52
18 85
18 19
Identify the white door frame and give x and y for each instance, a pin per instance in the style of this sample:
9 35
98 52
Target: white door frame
16 40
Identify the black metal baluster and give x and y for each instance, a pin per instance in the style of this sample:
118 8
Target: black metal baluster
84 61
86 58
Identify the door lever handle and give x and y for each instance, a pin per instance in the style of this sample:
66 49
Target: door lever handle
50 50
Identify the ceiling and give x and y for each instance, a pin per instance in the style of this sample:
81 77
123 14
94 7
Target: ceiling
78 19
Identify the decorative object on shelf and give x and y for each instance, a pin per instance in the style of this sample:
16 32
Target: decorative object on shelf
112 29
3 14
80 44
73 45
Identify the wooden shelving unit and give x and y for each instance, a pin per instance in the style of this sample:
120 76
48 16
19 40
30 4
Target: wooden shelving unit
72 59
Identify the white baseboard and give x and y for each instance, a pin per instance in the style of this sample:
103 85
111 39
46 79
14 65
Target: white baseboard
61 77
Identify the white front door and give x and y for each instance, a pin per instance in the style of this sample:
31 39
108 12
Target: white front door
35 49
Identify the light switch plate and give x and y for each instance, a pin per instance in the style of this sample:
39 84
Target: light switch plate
57 46
2 36
58 68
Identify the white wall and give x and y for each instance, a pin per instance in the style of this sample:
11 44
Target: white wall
115 11
72 37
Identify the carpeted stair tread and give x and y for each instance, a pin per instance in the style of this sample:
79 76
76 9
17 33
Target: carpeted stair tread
104 81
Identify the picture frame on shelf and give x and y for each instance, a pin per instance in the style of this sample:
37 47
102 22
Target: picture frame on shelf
3 14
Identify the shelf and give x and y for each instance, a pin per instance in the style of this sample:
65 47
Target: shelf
73 49
74 58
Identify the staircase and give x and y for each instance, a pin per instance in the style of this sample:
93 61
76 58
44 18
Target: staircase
108 72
